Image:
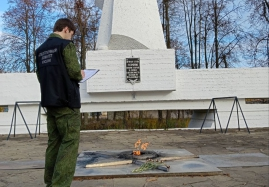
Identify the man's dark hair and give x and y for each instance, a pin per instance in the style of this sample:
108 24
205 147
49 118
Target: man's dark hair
61 23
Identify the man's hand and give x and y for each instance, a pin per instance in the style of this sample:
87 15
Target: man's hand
82 74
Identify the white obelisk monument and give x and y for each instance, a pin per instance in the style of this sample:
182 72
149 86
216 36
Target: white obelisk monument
131 49
129 24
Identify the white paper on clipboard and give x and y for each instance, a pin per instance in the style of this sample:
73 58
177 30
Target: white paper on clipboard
88 74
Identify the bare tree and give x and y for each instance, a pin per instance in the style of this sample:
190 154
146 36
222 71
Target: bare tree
257 43
188 18
226 33
86 17
212 33
196 24
25 25
166 22
170 23
260 10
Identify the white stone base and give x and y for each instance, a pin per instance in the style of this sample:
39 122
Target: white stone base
157 70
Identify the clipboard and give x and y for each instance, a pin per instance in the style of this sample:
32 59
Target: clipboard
88 74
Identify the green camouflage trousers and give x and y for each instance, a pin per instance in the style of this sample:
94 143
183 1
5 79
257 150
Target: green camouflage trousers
63 125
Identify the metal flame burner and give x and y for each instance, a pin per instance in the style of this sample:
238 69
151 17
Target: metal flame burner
145 154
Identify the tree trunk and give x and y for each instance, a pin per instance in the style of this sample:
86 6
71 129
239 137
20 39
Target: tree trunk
125 118
85 119
216 34
98 116
160 116
168 116
167 23
114 115
140 118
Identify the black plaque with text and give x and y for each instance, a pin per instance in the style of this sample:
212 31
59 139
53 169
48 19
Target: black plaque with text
132 70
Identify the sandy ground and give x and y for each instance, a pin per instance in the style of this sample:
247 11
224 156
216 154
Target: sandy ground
22 148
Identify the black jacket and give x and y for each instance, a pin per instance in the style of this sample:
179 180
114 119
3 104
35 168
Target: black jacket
57 89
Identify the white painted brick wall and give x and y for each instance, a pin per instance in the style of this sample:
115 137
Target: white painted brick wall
18 87
194 90
191 85
204 84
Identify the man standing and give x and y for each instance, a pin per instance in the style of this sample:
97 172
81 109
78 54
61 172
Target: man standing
59 73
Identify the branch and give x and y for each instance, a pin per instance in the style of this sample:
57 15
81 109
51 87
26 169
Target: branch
265 3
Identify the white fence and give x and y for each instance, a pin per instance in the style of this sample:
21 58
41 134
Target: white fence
194 91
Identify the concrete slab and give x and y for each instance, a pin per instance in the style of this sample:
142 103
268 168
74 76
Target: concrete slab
190 166
234 160
16 165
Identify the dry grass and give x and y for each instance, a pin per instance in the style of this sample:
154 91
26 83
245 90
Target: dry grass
135 123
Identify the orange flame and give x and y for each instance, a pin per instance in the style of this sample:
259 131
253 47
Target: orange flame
139 146
137 143
144 146
136 152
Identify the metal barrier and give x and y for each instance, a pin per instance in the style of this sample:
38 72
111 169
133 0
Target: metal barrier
216 111
14 116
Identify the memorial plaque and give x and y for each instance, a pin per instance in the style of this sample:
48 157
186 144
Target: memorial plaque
132 70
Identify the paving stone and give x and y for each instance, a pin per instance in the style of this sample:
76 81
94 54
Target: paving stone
209 142
94 183
235 160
